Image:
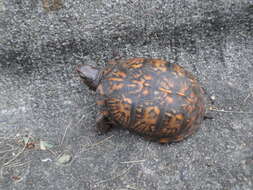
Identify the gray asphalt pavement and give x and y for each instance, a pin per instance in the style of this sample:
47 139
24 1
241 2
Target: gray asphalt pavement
43 103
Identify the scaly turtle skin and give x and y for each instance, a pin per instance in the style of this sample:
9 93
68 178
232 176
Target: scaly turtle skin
154 98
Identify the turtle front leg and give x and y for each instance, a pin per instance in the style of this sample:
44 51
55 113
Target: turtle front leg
208 116
103 124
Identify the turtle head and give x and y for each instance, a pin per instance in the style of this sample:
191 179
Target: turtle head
90 75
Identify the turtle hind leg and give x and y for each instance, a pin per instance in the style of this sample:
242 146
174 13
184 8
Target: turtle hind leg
103 124
208 116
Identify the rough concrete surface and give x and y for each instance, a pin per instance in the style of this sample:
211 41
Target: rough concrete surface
41 95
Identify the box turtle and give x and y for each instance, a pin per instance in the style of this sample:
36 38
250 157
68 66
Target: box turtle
152 97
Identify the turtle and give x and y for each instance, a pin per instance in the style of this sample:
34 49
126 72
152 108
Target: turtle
152 97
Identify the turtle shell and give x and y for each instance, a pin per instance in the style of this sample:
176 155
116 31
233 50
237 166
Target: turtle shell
154 98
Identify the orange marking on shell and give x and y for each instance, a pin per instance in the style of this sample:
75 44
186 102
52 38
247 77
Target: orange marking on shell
128 100
179 70
145 92
153 111
172 124
169 100
147 77
165 90
166 83
134 63
146 119
116 87
112 100
135 60
120 74
137 75
180 94
136 66
146 84
138 82
131 85
180 116
116 79
120 110
183 89
159 64
139 85
151 114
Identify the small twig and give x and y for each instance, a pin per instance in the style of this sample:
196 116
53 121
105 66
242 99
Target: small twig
11 160
117 176
7 144
7 138
85 107
132 162
66 129
90 146
10 150
52 152
227 111
131 187
80 119
65 132
247 97
18 164
3 157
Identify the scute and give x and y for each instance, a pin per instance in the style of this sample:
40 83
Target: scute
153 98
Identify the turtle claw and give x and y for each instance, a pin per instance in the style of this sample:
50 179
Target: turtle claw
102 124
208 116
